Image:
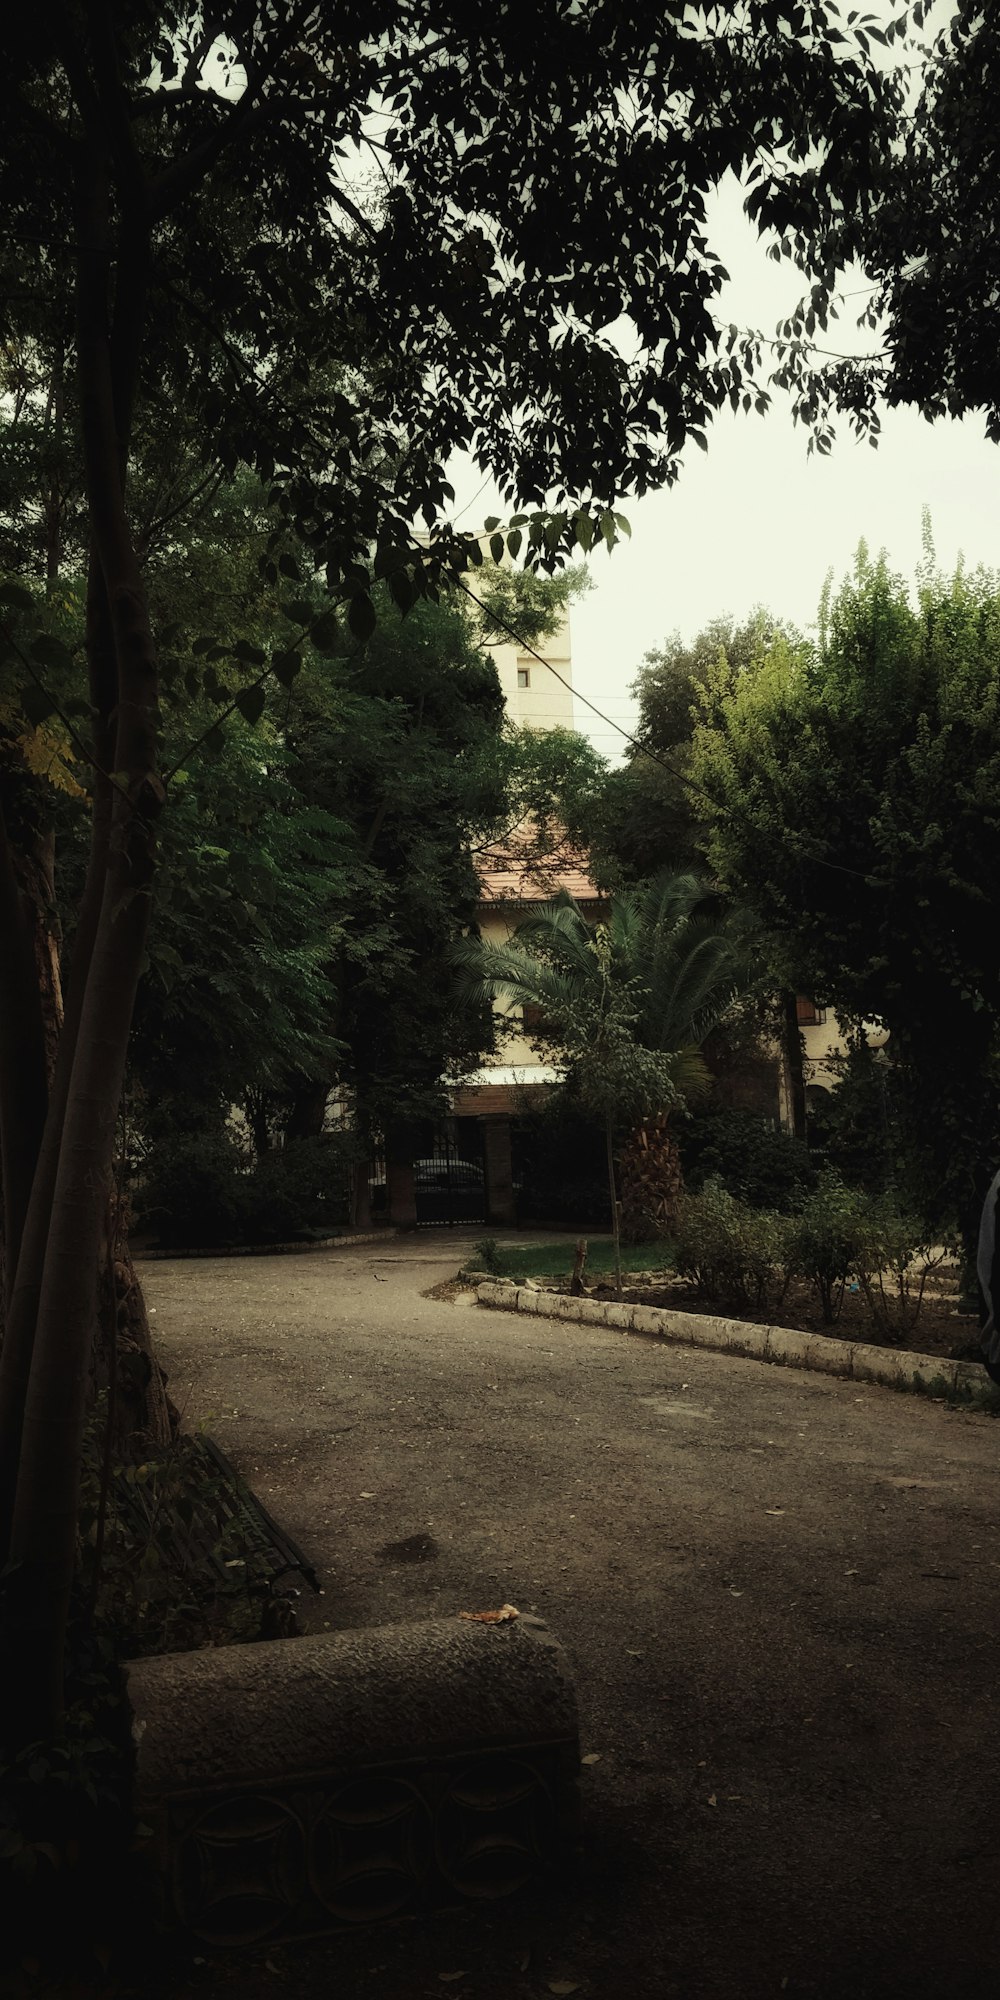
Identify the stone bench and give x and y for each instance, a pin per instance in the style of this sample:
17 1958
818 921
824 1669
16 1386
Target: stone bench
302 1786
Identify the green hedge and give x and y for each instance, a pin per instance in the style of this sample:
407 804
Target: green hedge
754 1159
743 1256
196 1190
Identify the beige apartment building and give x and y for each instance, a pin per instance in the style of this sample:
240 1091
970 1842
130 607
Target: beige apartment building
465 1173
466 1176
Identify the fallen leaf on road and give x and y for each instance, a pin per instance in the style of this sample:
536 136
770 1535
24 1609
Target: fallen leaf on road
366 1496
449 1978
501 1617
564 1986
712 1799
735 1593
774 1510
592 1757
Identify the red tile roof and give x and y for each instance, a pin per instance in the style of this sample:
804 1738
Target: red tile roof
515 872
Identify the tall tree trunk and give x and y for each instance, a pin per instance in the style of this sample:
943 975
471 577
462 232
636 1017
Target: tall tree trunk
23 1081
53 505
651 1180
37 870
43 1533
255 1106
26 1280
123 1358
308 1111
793 1064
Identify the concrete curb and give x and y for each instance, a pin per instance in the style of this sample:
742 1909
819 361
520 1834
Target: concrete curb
269 1249
895 1368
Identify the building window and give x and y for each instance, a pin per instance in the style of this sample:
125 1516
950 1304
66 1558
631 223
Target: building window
524 677
808 1014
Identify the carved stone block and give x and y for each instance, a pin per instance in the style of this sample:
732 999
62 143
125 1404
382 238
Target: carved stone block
303 1786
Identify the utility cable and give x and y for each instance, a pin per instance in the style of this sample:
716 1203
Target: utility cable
655 757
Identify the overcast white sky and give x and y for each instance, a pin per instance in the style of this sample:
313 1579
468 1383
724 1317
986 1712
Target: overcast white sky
755 521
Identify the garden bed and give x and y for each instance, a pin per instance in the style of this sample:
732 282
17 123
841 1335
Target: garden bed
941 1329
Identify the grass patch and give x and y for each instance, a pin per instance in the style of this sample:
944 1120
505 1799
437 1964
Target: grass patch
555 1260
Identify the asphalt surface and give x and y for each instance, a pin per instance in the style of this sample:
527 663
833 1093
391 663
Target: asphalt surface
779 1592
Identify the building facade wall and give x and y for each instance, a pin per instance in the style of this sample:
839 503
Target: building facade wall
544 703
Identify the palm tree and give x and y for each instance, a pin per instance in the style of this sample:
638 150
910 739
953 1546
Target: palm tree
628 1004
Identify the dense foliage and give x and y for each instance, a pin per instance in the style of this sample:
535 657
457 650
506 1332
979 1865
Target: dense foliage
623 1004
854 796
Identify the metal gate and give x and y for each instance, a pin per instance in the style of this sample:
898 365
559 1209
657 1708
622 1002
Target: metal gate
449 1180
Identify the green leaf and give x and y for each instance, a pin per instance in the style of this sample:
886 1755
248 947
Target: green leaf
50 651
254 656
36 704
514 540
325 633
251 702
286 665
289 567
16 596
401 588
497 547
361 615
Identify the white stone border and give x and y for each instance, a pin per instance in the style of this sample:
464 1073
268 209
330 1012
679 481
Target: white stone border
896 1368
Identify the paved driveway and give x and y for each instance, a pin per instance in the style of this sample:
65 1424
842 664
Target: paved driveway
779 1591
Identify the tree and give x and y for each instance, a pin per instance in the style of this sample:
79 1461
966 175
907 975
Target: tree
403 739
915 209
853 792
647 817
191 183
625 1004
931 245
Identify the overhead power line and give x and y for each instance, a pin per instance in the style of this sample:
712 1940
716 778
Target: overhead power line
690 784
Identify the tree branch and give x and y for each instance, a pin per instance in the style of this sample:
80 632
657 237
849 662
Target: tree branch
184 174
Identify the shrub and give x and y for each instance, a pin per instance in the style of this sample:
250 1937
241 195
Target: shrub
747 1257
894 1270
199 1189
855 1127
755 1160
731 1251
301 1189
843 1232
830 1238
560 1168
190 1189
487 1256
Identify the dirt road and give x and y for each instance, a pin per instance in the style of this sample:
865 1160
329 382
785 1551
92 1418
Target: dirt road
779 1592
